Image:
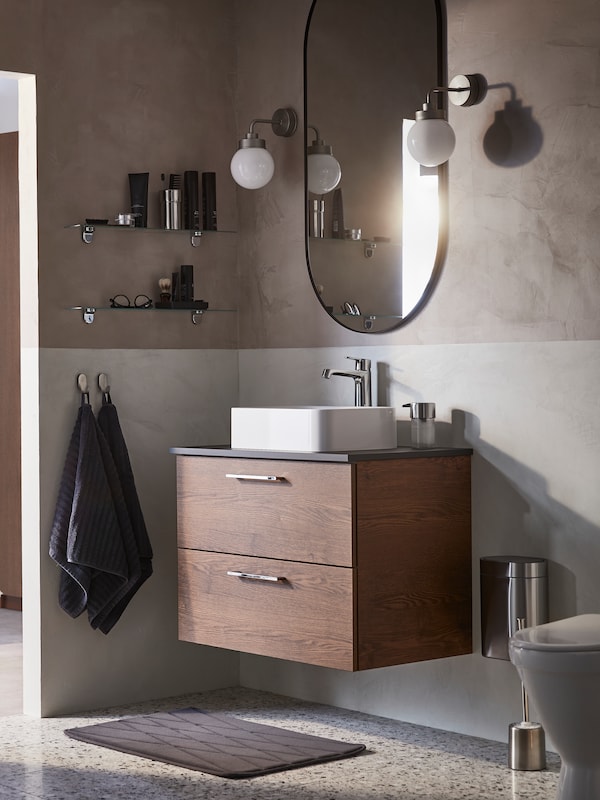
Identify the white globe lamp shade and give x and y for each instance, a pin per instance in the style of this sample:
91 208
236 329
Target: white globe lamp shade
324 173
252 167
431 142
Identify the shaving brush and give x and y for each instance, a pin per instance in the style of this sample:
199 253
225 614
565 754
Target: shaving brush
164 284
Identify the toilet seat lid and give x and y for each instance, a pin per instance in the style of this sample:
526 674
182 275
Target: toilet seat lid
574 634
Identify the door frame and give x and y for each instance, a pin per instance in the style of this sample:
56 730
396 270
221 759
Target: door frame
29 380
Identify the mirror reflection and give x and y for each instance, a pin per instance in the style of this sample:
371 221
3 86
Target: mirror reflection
375 245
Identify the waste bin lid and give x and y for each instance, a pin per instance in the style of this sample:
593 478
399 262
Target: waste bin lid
514 566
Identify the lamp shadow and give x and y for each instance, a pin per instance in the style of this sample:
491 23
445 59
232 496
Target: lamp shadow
514 138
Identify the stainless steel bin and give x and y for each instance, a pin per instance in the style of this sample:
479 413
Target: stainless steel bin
512 587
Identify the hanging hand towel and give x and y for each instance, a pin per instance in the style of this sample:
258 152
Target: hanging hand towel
92 539
108 422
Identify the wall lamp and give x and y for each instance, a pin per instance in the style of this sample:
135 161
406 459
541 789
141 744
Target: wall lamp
431 139
252 165
323 169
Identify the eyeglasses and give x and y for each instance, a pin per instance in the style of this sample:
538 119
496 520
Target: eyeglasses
122 301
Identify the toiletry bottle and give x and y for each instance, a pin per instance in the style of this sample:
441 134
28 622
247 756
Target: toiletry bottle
190 200
186 282
337 219
138 189
318 219
171 209
209 201
422 424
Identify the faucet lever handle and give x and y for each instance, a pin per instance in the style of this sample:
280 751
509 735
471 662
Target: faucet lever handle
360 363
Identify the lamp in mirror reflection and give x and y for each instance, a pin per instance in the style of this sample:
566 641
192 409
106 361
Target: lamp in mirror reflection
252 165
323 169
431 139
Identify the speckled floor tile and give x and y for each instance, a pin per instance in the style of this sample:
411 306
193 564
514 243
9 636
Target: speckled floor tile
402 761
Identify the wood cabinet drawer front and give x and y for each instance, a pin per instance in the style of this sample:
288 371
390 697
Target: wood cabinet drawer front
304 515
307 617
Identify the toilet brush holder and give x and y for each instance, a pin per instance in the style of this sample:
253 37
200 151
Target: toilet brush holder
526 746
526 740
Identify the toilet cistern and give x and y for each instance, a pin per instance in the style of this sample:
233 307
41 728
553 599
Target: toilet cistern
361 375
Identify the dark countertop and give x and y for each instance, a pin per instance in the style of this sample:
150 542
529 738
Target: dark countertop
225 451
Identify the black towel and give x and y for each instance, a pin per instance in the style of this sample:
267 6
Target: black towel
92 539
108 421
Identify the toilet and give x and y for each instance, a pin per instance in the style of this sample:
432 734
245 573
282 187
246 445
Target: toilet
559 664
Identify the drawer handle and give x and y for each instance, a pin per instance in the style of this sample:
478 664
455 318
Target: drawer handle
254 477
252 577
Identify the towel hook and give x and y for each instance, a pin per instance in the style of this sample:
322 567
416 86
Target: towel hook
82 383
104 387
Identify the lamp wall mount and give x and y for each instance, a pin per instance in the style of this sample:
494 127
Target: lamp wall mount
284 122
467 90
463 90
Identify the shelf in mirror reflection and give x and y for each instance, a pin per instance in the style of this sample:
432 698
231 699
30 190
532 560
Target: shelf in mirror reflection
369 323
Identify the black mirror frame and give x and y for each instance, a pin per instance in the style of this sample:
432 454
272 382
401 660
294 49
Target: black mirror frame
442 247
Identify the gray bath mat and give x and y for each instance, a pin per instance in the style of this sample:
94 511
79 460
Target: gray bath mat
219 744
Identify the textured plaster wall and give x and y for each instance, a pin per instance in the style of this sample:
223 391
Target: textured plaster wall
528 410
128 86
524 250
507 346
163 398
136 86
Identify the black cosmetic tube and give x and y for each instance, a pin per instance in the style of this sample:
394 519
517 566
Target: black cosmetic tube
138 189
190 200
175 290
186 282
209 201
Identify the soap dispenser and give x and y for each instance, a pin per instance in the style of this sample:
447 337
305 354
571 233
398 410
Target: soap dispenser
422 424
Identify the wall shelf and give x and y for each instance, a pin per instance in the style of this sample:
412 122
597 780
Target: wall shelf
88 231
89 312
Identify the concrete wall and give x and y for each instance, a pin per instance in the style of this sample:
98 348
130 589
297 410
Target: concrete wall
141 85
507 346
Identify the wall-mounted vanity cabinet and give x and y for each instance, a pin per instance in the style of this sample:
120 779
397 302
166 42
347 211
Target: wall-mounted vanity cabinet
345 560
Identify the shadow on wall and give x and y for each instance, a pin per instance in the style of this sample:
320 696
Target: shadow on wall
514 138
514 514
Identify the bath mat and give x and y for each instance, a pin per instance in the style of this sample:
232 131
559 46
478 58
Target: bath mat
219 744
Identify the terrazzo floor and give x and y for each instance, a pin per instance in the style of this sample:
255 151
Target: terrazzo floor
402 761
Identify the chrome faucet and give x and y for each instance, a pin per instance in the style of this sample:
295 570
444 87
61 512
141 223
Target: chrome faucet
361 375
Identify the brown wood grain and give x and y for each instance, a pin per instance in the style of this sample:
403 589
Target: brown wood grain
399 529
305 517
414 560
308 616
10 403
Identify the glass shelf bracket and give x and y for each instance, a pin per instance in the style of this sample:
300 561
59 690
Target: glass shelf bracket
88 230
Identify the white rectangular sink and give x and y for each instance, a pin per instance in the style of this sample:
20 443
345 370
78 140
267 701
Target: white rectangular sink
313 429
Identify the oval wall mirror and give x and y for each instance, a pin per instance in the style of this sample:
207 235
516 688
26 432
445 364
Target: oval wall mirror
376 241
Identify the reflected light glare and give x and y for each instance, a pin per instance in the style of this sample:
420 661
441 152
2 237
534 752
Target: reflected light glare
420 225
